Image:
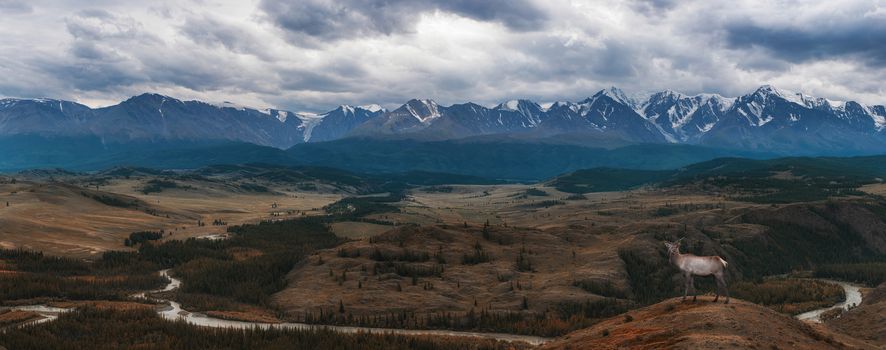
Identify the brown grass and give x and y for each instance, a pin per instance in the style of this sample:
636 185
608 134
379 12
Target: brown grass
58 219
673 324
14 317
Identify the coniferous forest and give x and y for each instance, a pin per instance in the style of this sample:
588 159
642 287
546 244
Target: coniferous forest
98 329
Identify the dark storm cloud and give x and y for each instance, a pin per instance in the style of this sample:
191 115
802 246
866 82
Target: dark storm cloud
92 75
317 54
328 19
860 38
110 52
211 31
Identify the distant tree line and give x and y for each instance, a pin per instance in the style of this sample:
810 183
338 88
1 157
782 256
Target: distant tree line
140 237
561 319
871 273
113 277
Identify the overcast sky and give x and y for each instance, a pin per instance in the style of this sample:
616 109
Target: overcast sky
312 55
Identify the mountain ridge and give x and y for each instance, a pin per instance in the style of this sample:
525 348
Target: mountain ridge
767 119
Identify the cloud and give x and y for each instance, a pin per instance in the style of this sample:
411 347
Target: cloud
334 20
314 55
14 7
864 39
211 31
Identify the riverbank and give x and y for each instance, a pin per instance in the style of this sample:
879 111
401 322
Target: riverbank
172 310
853 299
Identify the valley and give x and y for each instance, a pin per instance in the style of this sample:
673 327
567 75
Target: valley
442 175
426 252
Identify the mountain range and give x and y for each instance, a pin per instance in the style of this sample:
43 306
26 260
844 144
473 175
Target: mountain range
515 140
766 120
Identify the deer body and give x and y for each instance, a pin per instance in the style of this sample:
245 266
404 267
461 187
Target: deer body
692 265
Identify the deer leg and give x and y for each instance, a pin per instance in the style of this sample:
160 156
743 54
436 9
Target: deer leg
694 292
687 280
725 289
719 285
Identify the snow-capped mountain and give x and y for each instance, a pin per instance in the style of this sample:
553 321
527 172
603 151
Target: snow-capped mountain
158 117
414 116
767 119
530 113
338 122
787 122
43 116
682 118
608 111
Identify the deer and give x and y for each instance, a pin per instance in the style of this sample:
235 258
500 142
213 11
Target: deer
692 265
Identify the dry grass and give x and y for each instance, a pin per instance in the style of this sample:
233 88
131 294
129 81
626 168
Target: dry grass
496 284
868 320
358 230
703 325
592 229
14 317
59 220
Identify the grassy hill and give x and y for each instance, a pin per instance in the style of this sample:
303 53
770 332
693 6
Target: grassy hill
782 180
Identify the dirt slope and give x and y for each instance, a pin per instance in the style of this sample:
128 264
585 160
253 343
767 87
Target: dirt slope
673 324
868 320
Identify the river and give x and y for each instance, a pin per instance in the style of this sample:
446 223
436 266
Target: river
853 298
174 311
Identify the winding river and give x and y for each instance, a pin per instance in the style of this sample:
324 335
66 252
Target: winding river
853 298
174 311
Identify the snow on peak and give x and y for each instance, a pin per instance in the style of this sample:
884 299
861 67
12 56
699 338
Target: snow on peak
372 107
308 122
787 95
282 115
670 93
618 95
9 102
228 104
835 104
723 103
511 105
423 110
346 109
879 121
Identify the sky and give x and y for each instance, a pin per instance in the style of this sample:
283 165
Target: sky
313 55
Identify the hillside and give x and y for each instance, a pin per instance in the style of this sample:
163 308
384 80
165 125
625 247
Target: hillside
89 153
780 180
866 321
673 324
525 160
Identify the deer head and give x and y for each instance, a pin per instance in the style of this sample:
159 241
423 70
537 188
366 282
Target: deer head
673 248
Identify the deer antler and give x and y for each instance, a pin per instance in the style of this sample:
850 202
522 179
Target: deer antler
678 241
